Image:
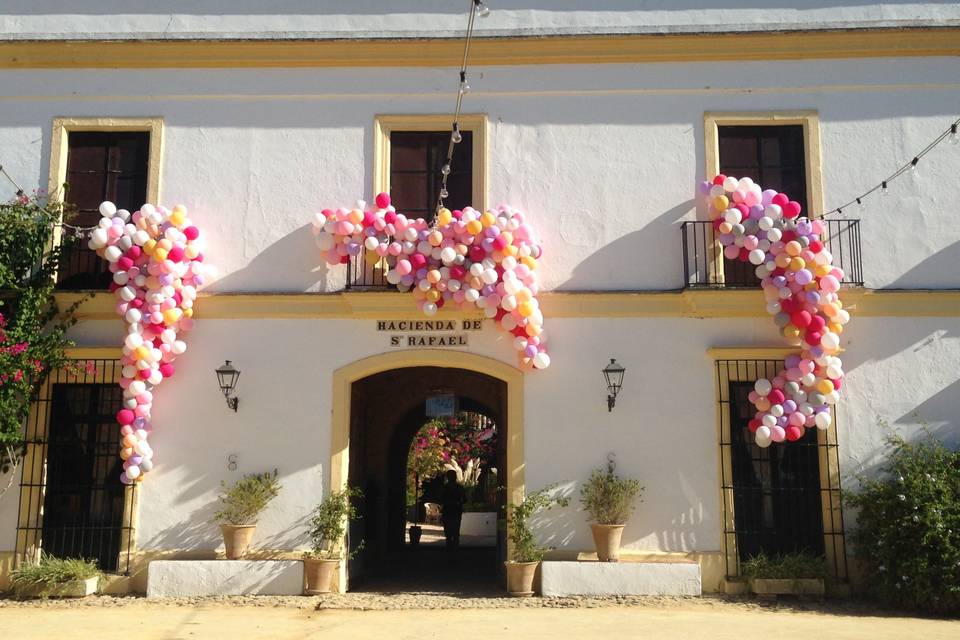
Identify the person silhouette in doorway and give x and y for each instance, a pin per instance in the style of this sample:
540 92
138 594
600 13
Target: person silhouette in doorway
453 499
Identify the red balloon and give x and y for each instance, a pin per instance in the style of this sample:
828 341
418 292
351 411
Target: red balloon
753 425
477 254
794 433
780 199
817 323
125 416
390 217
719 179
383 200
816 246
791 209
800 319
813 338
776 396
167 370
192 233
174 255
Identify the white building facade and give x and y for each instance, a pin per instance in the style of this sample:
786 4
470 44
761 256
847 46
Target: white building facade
598 124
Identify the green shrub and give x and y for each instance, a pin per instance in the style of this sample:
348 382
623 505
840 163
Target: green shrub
247 498
908 527
329 522
609 499
50 572
801 564
525 545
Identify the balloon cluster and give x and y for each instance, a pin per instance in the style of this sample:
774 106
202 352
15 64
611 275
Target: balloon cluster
154 255
465 258
801 287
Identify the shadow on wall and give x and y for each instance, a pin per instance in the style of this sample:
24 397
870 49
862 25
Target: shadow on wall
939 414
936 271
561 523
626 254
293 260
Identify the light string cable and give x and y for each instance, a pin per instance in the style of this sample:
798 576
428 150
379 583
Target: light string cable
476 8
950 132
55 219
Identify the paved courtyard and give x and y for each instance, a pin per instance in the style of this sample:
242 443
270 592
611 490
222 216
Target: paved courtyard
386 618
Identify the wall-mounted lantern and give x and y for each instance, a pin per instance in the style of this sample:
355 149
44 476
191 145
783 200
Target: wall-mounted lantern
227 377
613 374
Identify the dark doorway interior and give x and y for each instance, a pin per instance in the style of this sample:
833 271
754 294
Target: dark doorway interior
387 410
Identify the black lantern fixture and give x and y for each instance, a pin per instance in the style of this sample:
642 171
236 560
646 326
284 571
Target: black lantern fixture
613 374
227 377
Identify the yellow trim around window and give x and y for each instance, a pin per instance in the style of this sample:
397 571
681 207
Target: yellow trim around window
829 462
447 52
384 125
344 377
813 158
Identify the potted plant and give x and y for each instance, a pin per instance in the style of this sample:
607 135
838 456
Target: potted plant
56 577
327 526
608 500
241 505
800 573
526 553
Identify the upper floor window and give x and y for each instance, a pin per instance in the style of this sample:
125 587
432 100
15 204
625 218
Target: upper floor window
97 159
101 165
416 158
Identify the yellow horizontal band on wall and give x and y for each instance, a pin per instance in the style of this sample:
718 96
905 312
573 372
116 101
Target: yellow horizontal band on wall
690 303
445 52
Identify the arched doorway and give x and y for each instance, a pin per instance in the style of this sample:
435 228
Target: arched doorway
379 404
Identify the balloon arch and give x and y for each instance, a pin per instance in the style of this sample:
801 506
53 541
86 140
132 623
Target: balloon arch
487 261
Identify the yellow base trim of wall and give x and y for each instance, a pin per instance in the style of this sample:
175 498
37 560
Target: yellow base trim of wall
687 303
447 52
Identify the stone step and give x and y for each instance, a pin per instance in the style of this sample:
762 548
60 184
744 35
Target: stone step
620 578
188 578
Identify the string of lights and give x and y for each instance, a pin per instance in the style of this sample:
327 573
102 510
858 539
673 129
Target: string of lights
477 8
55 219
884 186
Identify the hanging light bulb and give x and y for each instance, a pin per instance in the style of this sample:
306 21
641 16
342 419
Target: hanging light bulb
445 169
954 136
464 87
883 189
913 167
482 10
444 194
456 136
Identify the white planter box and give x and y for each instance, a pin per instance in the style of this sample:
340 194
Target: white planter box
75 589
188 578
559 578
479 523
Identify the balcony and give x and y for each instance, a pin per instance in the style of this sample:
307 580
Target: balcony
704 265
367 275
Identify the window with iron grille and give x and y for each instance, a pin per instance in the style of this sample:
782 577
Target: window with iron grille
72 503
774 156
781 499
101 165
416 158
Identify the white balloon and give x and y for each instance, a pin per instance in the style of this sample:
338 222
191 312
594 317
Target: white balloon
823 421
107 209
429 308
763 387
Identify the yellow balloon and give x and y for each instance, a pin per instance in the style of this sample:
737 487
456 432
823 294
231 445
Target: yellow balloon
525 309
488 219
355 216
177 218
170 316
835 327
793 248
141 353
149 246
824 386
530 262
433 295
725 227
160 253
791 331
474 227
444 217
523 295
188 313
797 263
720 203
510 250
534 330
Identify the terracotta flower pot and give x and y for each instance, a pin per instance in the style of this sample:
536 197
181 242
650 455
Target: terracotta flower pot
236 538
606 537
520 577
319 574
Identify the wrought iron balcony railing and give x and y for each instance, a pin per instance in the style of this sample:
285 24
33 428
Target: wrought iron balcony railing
704 264
365 274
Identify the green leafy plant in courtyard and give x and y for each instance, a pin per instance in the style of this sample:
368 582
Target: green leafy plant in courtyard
525 547
608 498
800 564
244 501
328 524
908 526
33 329
49 572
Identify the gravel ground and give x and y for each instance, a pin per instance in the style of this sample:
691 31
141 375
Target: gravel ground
391 601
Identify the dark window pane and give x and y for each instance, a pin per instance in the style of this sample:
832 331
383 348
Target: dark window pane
773 156
101 165
776 491
415 161
83 501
